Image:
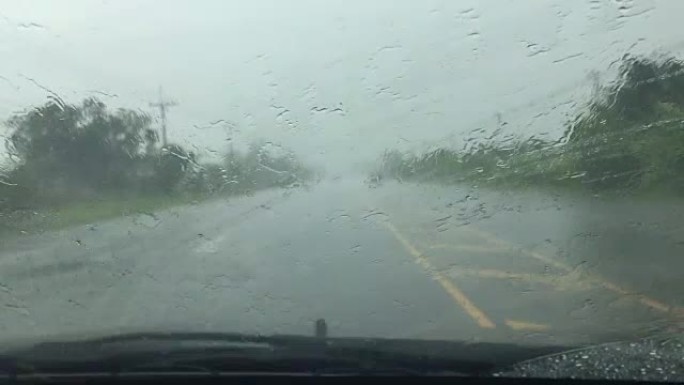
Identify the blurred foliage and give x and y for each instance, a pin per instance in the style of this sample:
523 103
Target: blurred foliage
628 138
261 166
61 154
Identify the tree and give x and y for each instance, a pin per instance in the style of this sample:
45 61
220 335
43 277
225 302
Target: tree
629 137
631 134
67 151
170 167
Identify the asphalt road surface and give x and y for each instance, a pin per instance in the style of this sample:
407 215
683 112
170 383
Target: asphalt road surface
397 260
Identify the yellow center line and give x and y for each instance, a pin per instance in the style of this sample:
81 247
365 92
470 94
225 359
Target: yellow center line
474 248
456 294
528 326
592 278
559 281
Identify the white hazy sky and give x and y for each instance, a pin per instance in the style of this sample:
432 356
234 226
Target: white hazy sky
338 81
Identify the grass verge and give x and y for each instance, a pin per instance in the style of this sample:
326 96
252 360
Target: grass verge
22 222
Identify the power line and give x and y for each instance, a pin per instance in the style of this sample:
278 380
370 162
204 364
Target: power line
163 105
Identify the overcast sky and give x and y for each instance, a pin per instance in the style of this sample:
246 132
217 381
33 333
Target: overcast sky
338 81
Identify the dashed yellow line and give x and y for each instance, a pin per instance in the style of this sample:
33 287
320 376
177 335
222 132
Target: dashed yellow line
526 326
471 248
592 278
493 273
456 294
559 282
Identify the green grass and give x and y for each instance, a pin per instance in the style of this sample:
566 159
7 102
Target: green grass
58 216
72 214
86 212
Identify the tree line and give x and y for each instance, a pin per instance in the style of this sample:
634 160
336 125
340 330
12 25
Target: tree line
61 153
628 138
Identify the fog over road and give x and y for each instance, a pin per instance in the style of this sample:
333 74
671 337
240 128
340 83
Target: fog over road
396 260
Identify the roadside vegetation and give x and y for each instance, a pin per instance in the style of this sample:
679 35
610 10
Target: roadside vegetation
629 139
72 164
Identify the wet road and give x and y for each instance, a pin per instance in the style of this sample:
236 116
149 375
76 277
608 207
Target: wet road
400 261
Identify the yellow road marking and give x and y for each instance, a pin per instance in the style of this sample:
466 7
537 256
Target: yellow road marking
526 326
479 249
592 278
561 282
456 294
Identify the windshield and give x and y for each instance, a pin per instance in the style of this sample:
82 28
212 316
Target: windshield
474 171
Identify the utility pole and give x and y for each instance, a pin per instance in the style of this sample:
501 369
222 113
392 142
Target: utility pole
163 105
